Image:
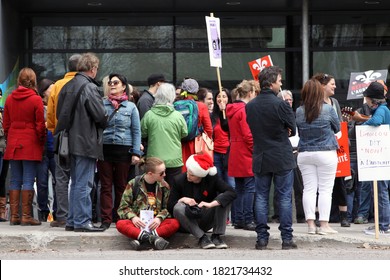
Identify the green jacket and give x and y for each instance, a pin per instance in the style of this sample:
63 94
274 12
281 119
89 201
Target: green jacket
164 127
131 207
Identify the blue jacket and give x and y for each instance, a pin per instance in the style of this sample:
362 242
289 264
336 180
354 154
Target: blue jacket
320 134
380 115
123 127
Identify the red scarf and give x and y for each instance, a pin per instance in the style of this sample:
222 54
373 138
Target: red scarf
116 100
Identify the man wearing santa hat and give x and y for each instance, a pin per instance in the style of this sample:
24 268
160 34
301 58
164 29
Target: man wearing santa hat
201 201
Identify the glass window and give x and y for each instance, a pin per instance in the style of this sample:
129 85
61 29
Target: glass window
135 66
102 37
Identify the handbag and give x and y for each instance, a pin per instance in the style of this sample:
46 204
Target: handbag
63 149
204 145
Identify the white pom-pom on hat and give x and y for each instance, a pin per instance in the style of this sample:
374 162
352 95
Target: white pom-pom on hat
201 165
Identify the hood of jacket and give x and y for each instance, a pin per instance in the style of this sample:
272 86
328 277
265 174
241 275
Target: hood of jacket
22 93
162 110
235 107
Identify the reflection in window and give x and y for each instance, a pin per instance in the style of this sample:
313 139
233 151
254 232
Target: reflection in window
102 37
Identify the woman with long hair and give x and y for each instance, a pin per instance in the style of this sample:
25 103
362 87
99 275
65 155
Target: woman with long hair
317 158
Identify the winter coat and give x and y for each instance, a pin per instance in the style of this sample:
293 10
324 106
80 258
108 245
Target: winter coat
270 119
164 127
90 118
24 125
241 141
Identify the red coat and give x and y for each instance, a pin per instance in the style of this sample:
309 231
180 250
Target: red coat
241 141
188 148
24 125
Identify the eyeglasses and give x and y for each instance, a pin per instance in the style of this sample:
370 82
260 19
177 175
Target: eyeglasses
161 173
113 83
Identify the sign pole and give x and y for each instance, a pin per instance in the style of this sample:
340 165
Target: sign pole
376 212
219 79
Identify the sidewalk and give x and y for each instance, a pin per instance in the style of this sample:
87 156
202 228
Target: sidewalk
45 237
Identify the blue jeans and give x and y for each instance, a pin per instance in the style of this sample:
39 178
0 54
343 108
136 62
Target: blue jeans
82 171
243 204
43 183
383 205
365 199
23 174
283 182
223 173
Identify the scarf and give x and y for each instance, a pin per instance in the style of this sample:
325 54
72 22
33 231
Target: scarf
116 100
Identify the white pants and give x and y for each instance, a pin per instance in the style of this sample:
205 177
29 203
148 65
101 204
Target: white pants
318 173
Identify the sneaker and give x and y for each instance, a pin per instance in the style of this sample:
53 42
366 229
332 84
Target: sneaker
218 242
360 220
160 243
205 242
288 245
261 244
371 231
135 245
312 230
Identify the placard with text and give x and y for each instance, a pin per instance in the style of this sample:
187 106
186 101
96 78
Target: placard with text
373 152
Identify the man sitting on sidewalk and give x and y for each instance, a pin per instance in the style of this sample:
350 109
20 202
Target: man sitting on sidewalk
201 201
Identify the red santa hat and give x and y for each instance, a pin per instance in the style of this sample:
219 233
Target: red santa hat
201 165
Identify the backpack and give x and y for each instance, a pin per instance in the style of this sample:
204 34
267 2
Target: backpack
189 110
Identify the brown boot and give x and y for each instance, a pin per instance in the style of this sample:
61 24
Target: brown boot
14 199
27 219
3 202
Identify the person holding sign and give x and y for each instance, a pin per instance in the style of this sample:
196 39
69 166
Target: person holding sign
317 154
375 99
146 192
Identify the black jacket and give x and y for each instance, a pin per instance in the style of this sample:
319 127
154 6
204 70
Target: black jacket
209 189
85 134
269 119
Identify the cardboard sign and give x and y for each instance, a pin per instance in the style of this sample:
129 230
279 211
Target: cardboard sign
214 39
259 64
359 82
344 161
373 152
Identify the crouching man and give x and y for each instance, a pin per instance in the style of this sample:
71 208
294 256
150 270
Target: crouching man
201 201
147 192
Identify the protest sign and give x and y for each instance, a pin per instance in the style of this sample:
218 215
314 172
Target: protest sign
259 64
214 40
344 162
373 152
359 82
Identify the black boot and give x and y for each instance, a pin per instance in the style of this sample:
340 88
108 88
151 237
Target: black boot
344 219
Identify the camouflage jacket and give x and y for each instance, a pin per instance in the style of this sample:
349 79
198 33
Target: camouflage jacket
131 207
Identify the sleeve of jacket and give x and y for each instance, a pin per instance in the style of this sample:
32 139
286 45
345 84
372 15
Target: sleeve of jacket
94 105
175 193
183 126
205 120
6 118
226 193
164 213
245 131
136 132
287 116
335 122
51 116
40 126
125 209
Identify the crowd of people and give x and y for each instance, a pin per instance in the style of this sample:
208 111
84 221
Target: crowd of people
152 180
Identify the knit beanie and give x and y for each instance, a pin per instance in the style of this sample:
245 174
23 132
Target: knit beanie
201 165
